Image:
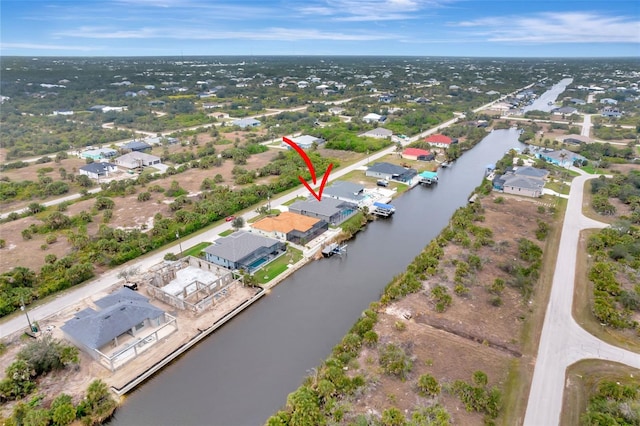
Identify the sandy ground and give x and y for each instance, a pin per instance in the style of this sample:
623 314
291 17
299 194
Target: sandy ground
471 335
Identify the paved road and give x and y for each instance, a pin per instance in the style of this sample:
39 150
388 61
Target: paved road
563 341
586 125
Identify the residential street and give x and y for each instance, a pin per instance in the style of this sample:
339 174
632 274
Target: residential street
563 342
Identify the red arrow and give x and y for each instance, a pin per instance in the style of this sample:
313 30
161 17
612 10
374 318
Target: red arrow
312 170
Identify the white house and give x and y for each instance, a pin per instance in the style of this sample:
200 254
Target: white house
97 170
137 159
378 133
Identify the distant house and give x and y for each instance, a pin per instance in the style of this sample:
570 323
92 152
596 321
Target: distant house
336 110
417 154
124 325
136 159
563 157
388 171
374 118
159 140
304 142
386 97
609 111
440 141
575 139
529 171
97 170
608 101
99 154
156 103
564 110
63 112
577 101
378 133
138 146
330 210
346 191
289 226
246 122
244 250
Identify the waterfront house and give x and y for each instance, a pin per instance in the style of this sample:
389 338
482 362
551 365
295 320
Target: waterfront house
97 170
124 325
525 180
331 210
136 159
346 191
246 122
440 141
417 154
522 185
99 154
244 250
563 157
388 171
289 226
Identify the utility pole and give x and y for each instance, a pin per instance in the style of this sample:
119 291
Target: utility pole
179 242
23 309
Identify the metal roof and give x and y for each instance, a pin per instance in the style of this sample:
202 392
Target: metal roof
239 245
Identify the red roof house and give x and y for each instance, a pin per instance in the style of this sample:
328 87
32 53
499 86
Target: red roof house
417 154
439 140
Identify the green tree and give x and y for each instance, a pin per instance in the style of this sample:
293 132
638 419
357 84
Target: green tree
238 222
98 404
62 410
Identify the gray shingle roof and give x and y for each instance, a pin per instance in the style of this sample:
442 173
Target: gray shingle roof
327 207
524 182
97 168
344 189
120 312
531 171
387 168
239 245
136 146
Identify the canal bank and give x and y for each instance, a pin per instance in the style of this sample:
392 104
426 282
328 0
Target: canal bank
242 374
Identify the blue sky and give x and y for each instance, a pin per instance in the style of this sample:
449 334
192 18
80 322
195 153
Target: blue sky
511 28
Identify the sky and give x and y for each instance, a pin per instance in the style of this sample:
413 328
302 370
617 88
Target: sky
475 28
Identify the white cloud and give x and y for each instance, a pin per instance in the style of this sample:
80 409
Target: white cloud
274 33
371 10
567 27
36 46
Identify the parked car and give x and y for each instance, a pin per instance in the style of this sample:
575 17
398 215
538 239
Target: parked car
229 218
382 182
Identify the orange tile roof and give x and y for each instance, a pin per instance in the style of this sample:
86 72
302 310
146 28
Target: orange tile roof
286 222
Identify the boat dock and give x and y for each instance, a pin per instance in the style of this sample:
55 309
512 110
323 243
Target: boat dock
334 248
427 178
382 209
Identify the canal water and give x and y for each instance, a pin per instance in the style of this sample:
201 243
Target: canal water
546 101
242 373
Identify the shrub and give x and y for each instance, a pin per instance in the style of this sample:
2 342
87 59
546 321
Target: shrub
428 385
394 361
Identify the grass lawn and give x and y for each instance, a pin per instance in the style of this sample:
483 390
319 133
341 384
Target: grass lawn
559 187
278 266
288 203
197 249
227 232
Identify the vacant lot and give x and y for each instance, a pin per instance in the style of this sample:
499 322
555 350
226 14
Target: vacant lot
474 333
